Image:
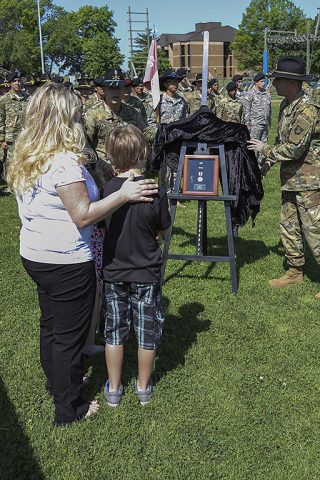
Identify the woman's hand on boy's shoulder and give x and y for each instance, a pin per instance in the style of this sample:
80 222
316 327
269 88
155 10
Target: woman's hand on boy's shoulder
140 191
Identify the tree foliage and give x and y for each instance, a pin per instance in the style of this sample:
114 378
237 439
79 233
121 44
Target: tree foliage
141 54
248 44
78 41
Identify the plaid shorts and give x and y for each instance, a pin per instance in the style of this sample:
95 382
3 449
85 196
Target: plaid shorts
127 301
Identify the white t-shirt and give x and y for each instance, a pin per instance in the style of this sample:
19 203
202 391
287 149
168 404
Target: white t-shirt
48 234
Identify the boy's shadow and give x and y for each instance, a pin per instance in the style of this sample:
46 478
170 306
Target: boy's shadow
179 334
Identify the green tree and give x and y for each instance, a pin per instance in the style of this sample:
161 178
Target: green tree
77 41
141 54
248 44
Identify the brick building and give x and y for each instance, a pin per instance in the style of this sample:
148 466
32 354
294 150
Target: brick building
185 50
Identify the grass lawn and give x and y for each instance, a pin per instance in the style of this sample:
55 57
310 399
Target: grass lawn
236 379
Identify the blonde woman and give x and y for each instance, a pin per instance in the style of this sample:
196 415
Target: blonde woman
58 203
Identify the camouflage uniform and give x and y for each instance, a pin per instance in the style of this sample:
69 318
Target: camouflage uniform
99 120
194 101
257 114
297 147
12 106
136 103
213 100
172 108
91 100
146 99
230 110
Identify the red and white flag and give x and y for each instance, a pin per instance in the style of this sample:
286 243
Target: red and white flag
151 76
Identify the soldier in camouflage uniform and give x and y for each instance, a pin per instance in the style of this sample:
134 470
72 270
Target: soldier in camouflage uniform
194 98
184 86
12 106
297 147
238 80
97 95
230 109
173 107
214 96
102 117
134 101
138 91
257 110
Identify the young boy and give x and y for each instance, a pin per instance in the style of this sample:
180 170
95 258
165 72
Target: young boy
131 268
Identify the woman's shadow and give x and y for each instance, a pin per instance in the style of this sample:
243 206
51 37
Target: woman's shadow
179 334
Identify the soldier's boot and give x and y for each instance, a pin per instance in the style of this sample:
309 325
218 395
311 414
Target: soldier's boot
291 277
317 296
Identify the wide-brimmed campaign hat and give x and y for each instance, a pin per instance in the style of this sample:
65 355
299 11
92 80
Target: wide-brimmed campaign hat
14 75
114 78
167 75
293 68
197 79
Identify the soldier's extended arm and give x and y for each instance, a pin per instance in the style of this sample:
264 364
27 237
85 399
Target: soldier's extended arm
298 142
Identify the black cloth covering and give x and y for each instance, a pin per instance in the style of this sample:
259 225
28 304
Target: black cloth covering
243 172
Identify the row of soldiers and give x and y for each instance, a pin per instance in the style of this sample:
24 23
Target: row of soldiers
111 100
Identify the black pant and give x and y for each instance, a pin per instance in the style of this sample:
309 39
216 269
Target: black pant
66 298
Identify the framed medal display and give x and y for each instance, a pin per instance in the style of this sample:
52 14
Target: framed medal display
201 175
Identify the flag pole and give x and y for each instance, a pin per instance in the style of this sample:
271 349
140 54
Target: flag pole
205 61
40 37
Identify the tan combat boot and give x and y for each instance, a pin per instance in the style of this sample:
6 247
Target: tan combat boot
317 296
291 277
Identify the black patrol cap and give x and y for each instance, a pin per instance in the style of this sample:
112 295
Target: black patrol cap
258 77
237 78
114 78
12 76
231 86
212 82
137 81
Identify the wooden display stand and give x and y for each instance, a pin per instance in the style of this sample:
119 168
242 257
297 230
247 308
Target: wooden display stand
203 149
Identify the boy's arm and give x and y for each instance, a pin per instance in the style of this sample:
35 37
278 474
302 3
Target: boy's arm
163 217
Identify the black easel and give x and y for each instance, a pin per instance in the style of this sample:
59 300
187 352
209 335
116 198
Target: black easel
201 246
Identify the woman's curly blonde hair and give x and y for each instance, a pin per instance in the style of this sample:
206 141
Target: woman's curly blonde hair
52 123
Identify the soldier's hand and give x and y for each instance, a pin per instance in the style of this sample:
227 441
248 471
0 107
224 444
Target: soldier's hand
255 145
265 168
4 145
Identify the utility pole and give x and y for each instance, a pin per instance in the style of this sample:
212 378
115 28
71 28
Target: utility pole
40 37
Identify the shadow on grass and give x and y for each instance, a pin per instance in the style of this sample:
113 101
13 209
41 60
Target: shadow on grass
179 334
247 251
17 461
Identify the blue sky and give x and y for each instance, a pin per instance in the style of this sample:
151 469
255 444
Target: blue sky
177 16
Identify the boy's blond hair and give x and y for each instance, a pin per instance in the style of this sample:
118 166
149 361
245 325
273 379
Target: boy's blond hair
126 148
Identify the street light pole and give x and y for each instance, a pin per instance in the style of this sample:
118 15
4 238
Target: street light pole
40 38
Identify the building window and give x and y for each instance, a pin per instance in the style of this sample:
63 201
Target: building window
183 58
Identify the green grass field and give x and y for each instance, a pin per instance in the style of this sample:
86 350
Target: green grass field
236 379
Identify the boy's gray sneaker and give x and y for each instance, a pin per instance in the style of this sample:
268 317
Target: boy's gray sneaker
113 398
144 396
